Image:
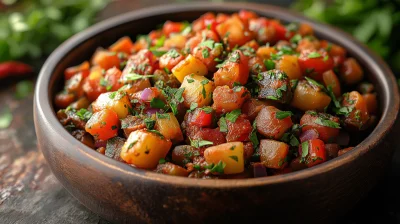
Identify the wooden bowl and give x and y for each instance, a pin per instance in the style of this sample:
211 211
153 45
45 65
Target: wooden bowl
121 193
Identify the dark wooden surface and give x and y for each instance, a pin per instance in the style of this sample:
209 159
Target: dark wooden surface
29 193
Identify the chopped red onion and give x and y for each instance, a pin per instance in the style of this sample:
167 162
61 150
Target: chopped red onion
309 135
152 111
146 95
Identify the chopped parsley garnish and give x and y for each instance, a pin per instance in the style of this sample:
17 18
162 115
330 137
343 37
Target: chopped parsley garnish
326 57
283 114
219 168
234 158
205 53
162 116
203 91
269 64
114 127
235 56
304 151
314 55
207 110
112 95
233 115
223 127
253 135
158 53
135 76
84 114
149 123
326 122
295 39
173 53
190 80
193 106
157 103
200 143
314 83
162 161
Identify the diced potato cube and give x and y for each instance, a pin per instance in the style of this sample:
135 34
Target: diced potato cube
231 154
168 125
273 153
190 65
117 101
144 149
198 89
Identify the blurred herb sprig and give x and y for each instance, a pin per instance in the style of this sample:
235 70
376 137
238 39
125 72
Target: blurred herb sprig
31 29
373 22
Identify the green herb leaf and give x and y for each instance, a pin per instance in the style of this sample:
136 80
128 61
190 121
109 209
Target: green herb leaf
162 161
223 127
219 168
149 123
314 55
205 53
207 110
327 123
315 83
283 114
234 158
84 114
304 150
157 103
233 115
162 116
253 135
135 76
193 106
200 143
269 64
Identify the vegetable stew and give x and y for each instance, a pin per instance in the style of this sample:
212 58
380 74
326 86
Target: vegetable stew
226 96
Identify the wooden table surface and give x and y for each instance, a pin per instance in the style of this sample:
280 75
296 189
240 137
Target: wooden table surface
29 193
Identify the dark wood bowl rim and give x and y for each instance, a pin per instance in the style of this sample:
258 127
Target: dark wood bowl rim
375 64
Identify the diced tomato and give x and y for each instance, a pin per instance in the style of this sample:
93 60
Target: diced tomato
326 134
314 63
337 52
235 30
200 23
112 79
63 100
122 45
172 27
142 63
170 59
269 125
236 69
201 118
105 59
316 152
71 71
92 84
227 99
103 125
238 130
208 134
247 15
330 79
280 30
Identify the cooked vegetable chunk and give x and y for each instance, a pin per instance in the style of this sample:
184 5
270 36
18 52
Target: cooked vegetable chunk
327 126
190 65
274 85
234 70
308 96
103 124
144 149
273 123
229 155
227 99
168 125
198 89
273 154
116 101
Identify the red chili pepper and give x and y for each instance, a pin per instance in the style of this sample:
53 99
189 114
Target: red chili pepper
14 68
